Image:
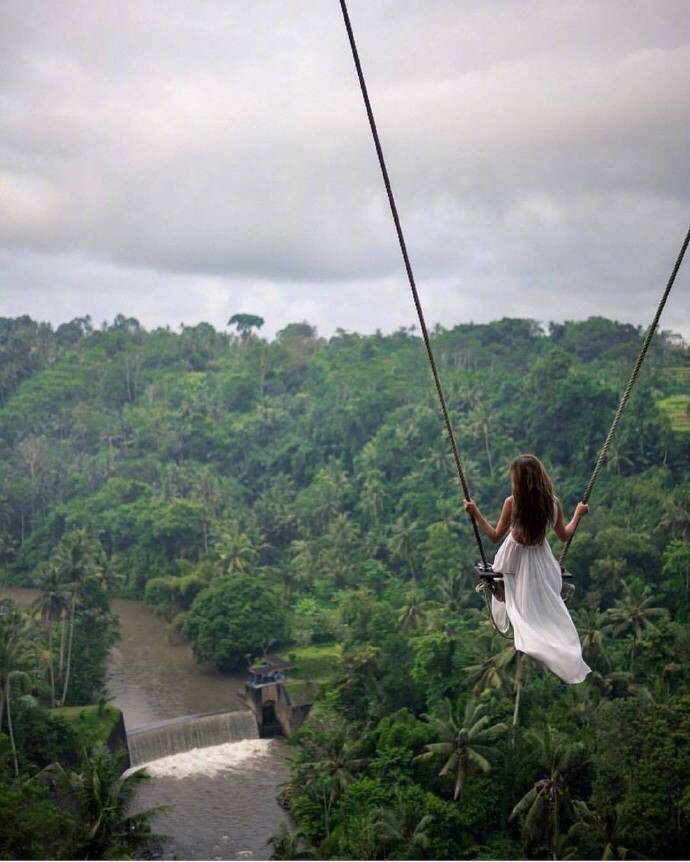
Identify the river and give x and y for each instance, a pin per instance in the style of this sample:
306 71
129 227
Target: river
224 795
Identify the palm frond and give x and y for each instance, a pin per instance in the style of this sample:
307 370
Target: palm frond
524 803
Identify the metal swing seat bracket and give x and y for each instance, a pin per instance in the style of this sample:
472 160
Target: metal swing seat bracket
486 570
489 580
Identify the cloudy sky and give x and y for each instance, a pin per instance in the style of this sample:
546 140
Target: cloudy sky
183 161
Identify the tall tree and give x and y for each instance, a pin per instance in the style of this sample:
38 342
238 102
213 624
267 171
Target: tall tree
592 627
76 559
329 764
540 810
466 742
373 498
633 613
51 604
414 609
18 659
245 323
401 542
235 550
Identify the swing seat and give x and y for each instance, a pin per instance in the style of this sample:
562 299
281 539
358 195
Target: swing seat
490 581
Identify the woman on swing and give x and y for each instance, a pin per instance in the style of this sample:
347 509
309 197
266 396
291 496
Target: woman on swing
541 623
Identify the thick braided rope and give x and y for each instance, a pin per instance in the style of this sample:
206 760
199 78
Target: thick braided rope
410 276
628 389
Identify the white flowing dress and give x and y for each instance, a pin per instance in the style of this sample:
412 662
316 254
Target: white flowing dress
541 623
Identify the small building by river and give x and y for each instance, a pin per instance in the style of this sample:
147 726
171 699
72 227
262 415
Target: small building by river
269 699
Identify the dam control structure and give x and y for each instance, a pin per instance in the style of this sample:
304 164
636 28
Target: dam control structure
267 696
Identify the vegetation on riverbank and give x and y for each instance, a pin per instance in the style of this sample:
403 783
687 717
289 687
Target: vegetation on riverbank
61 790
92 723
312 666
62 794
316 470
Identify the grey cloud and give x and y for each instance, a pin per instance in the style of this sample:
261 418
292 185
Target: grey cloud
538 150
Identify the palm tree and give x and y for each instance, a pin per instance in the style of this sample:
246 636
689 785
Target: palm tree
17 659
440 460
331 485
676 517
103 799
329 766
607 830
236 551
633 615
455 595
51 603
75 560
477 424
617 459
341 542
491 673
541 807
465 742
494 674
290 845
302 563
6 513
373 497
7 547
207 491
20 674
522 668
413 610
401 826
448 514
591 625
401 542
619 683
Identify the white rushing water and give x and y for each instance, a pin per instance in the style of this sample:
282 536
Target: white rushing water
223 798
188 732
209 761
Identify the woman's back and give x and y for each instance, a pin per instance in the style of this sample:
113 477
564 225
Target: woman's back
516 530
533 500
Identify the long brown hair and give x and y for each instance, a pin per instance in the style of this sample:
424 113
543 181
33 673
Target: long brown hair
533 499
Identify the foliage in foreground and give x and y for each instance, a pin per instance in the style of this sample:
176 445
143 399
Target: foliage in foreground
83 813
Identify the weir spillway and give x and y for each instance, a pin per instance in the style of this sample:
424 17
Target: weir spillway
192 731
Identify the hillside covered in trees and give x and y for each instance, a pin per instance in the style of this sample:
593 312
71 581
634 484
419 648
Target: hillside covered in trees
301 490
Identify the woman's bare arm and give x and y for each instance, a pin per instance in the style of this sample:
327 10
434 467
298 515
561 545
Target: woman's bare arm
565 531
494 533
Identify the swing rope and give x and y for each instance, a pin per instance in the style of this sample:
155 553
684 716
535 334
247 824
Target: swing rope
628 389
487 604
411 279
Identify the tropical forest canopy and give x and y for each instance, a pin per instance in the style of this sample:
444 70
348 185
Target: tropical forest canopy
300 490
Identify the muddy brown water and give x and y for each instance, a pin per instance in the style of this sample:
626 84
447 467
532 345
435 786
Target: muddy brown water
224 794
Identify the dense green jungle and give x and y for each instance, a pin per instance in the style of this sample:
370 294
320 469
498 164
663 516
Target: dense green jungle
299 492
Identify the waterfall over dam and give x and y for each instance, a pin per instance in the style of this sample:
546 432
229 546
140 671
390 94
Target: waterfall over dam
192 731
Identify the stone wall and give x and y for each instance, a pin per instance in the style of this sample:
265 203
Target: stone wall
289 717
117 741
